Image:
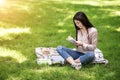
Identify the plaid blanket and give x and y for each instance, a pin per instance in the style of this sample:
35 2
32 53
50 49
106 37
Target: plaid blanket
48 55
51 56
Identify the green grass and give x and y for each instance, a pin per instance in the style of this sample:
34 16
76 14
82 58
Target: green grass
27 24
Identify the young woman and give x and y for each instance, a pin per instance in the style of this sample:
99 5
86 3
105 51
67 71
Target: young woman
86 42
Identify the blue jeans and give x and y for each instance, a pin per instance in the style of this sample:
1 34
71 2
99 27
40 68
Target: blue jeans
84 57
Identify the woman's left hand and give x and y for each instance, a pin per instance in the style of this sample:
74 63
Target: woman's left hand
79 43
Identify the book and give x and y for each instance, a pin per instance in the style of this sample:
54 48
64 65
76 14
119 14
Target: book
71 39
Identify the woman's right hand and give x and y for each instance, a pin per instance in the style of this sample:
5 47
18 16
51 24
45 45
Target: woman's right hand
79 43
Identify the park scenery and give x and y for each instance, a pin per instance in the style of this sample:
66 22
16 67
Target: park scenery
28 24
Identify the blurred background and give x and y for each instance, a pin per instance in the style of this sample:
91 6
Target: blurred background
27 24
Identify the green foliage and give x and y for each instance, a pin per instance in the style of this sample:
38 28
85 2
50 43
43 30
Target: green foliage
27 24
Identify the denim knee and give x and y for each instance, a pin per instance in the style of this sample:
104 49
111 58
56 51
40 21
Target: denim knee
90 55
59 49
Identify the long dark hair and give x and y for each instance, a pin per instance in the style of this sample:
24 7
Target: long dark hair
80 16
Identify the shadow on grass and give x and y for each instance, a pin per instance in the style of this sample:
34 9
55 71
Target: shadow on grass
46 19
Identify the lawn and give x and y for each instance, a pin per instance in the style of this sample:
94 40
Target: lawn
27 24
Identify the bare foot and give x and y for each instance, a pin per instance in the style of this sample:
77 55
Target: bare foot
77 61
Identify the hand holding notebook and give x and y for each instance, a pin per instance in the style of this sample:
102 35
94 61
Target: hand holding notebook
71 39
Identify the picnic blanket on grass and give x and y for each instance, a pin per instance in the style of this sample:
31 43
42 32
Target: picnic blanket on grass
50 56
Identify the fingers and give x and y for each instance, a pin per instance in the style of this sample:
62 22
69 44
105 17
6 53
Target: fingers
79 43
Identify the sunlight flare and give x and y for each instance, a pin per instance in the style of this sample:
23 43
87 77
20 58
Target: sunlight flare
26 8
2 2
116 13
118 29
94 3
17 30
10 33
4 52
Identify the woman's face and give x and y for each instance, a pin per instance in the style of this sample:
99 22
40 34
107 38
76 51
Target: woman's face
78 24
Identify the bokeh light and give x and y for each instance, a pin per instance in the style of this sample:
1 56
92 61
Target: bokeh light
2 2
